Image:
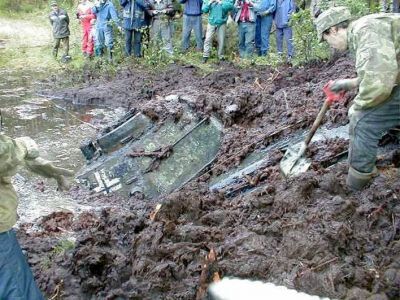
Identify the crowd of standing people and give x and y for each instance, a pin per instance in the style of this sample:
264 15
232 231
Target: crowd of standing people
254 18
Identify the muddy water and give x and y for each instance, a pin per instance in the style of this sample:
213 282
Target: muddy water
57 127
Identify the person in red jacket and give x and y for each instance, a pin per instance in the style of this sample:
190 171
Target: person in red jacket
87 18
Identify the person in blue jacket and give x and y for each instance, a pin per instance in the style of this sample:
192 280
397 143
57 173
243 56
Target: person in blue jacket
284 10
133 23
105 13
192 21
264 20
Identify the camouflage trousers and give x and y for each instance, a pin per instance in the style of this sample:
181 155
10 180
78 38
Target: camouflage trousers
65 43
367 128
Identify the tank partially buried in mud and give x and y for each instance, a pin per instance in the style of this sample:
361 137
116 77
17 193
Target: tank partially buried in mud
149 159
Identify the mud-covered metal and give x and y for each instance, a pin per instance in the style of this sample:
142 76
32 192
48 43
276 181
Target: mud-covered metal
193 145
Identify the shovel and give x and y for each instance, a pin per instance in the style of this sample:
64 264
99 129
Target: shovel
294 162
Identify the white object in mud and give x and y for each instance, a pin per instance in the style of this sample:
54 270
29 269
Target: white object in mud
242 289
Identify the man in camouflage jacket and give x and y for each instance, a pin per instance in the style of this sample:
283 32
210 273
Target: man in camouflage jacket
375 41
16 279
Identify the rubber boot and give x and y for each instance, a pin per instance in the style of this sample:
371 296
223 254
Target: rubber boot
357 180
110 55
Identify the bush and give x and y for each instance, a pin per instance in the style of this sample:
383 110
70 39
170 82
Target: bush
357 8
305 38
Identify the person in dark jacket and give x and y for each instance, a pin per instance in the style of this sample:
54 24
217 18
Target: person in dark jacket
105 13
192 21
59 20
134 21
263 25
284 10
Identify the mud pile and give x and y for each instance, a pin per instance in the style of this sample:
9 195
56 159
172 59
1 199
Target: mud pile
309 233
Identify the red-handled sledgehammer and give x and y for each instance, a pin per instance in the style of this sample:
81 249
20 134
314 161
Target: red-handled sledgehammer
293 161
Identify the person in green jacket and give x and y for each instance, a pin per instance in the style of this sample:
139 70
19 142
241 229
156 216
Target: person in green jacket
218 15
16 279
375 41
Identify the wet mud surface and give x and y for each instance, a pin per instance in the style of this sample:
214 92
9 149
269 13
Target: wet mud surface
310 233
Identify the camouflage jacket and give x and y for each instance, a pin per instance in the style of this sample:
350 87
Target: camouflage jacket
13 152
375 41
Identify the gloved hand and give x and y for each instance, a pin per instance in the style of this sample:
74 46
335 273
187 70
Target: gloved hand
46 169
63 184
343 85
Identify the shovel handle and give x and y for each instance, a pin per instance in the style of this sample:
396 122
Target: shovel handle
317 121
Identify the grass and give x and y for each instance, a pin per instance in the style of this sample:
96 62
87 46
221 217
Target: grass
63 246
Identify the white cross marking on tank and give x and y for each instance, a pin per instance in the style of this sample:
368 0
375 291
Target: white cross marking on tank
105 184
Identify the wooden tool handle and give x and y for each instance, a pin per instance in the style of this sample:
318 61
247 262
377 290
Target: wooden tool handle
317 121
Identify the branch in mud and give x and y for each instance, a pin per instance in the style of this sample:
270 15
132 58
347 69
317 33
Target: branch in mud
157 156
318 266
153 214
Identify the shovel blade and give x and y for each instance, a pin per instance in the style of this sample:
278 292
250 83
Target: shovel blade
292 164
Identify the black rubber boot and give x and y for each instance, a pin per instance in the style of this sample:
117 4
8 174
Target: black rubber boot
110 55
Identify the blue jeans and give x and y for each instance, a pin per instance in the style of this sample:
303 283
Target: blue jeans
263 29
247 31
16 279
192 23
104 38
137 42
286 33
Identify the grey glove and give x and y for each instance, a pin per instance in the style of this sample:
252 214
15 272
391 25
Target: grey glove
46 169
343 85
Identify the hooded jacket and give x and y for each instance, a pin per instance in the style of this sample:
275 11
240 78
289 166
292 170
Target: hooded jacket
252 10
13 153
105 12
375 42
218 13
192 7
59 20
134 13
283 12
266 7
85 14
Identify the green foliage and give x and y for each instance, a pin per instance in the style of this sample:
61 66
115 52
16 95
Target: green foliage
19 7
63 246
154 54
357 8
8 7
305 38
